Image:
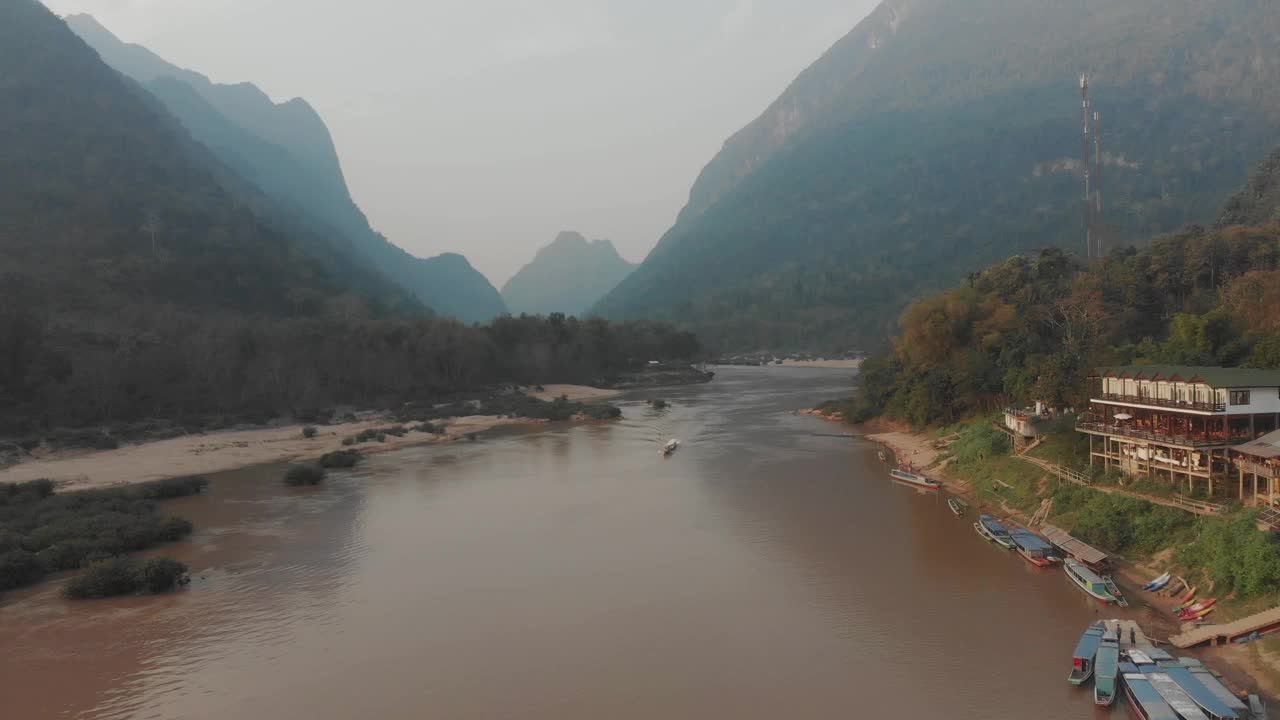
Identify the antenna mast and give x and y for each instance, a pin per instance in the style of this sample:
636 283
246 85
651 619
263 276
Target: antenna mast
1091 166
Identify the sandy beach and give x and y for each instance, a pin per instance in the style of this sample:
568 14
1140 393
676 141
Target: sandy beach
232 449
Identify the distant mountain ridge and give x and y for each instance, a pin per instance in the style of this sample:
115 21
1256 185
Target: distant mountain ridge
941 135
568 276
287 151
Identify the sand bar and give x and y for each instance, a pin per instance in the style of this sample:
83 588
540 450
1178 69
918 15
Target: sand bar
231 449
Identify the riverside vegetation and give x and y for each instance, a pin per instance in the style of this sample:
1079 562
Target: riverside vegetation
1032 328
43 532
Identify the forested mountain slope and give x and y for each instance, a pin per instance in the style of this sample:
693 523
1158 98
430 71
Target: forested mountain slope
567 276
941 135
287 152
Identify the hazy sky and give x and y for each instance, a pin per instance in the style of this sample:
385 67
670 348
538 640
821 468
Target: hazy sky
486 126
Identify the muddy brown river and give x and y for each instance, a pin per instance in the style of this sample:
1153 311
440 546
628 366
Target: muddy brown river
763 571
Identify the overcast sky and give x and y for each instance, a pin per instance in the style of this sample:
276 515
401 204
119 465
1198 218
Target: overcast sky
486 126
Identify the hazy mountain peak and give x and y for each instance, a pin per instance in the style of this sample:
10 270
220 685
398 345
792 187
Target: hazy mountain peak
568 275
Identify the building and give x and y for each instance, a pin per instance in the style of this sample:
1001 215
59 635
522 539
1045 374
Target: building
1258 462
1178 422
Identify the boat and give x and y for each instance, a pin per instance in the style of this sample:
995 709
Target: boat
1143 699
880 454
957 506
1158 583
1172 693
1106 666
1258 708
1187 596
1114 589
1082 659
1088 581
1033 548
670 447
988 528
1190 611
1213 685
1209 703
1195 604
1197 615
915 480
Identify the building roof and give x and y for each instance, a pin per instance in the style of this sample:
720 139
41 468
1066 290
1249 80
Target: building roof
1267 446
1083 552
1216 377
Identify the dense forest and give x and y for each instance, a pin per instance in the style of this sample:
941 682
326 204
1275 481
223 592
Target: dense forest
1032 327
59 372
916 151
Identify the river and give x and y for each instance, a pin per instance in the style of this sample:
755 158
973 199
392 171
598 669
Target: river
763 571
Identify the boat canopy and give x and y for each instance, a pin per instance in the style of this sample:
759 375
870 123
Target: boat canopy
1153 706
1029 541
1083 552
1202 696
1088 645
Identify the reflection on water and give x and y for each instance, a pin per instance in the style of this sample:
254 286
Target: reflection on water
573 572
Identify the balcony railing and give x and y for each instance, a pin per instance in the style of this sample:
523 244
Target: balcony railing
1213 439
1161 402
1253 468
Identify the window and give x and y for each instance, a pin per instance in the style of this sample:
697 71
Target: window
1239 397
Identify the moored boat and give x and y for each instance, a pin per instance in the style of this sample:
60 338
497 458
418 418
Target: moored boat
988 528
1208 702
1143 699
1213 685
671 446
1158 583
1088 581
1114 589
957 506
915 480
1172 693
1083 658
1106 668
1033 548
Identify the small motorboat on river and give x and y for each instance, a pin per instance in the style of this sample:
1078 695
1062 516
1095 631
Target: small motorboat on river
671 446
1086 650
988 528
915 480
957 506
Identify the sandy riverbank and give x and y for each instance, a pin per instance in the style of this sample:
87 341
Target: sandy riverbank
232 449
836 364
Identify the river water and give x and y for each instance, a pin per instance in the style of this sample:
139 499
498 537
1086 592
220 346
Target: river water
763 571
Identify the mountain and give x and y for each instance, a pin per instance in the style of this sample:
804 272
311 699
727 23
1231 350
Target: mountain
1258 202
287 152
568 276
920 148
108 203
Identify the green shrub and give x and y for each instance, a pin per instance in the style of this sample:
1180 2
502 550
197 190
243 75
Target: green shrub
398 431
66 531
1235 555
309 432
18 568
126 576
349 440
340 459
980 442
158 575
299 475
430 428
173 488
659 404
